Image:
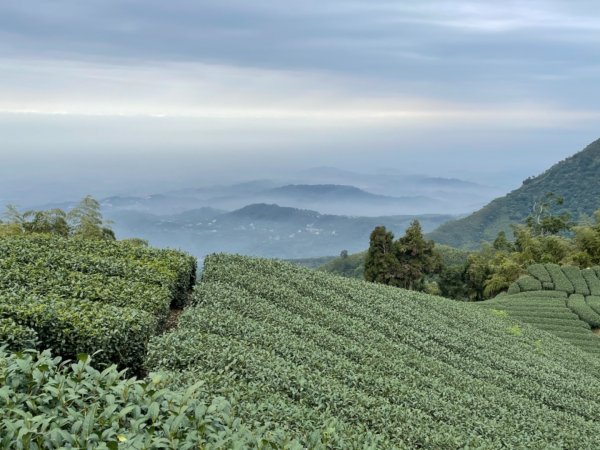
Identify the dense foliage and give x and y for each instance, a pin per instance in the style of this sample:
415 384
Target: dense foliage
48 403
492 269
87 295
574 179
83 221
404 262
382 366
556 299
15 336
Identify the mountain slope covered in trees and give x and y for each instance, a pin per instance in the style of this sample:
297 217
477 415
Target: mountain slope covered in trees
575 180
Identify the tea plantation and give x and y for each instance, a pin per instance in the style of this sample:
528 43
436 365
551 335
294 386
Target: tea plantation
270 355
563 300
382 366
86 296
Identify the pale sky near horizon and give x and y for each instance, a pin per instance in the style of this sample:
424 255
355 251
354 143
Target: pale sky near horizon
105 96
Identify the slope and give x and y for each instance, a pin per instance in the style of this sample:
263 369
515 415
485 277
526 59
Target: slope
381 366
575 179
562 300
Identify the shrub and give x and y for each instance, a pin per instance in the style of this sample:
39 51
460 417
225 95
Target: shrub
71 327
514 288
528 283
593 302
574 275
592 281
15 336
104 294
49 403
94 287
577 304
173 270
539 271
561 282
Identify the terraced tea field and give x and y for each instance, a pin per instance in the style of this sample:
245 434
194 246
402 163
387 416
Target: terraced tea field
562 300
370 365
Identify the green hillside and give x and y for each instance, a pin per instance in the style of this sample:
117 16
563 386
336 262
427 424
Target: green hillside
575 179
379 366
564 301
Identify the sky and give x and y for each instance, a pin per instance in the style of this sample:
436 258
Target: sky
124 96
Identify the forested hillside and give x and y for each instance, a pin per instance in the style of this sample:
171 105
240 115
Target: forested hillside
575 179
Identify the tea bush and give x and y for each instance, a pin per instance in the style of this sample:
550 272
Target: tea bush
579 306
82 296
120 335
15 336
528 283
48 403
574 275
540 272
560 280
592 281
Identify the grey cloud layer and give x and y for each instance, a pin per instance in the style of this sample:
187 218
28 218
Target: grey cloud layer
454 49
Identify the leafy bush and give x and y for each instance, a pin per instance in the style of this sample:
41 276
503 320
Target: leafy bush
514 288
65 284
578 305
81 295
170 269
561 282
593 302
15 336
78 326
574 275
528 283
298 348
539 271
592 281
51 404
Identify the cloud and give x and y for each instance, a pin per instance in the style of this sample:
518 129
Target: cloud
209 91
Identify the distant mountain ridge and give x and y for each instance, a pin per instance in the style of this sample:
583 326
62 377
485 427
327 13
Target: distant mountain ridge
576 179
260 230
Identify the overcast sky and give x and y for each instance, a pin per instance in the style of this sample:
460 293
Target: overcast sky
106 96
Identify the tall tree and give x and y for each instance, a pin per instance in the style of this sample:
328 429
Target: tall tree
542 221
381 264
87 222
53 221
416 257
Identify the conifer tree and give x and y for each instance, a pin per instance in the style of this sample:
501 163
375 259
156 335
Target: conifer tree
381 265
416 257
